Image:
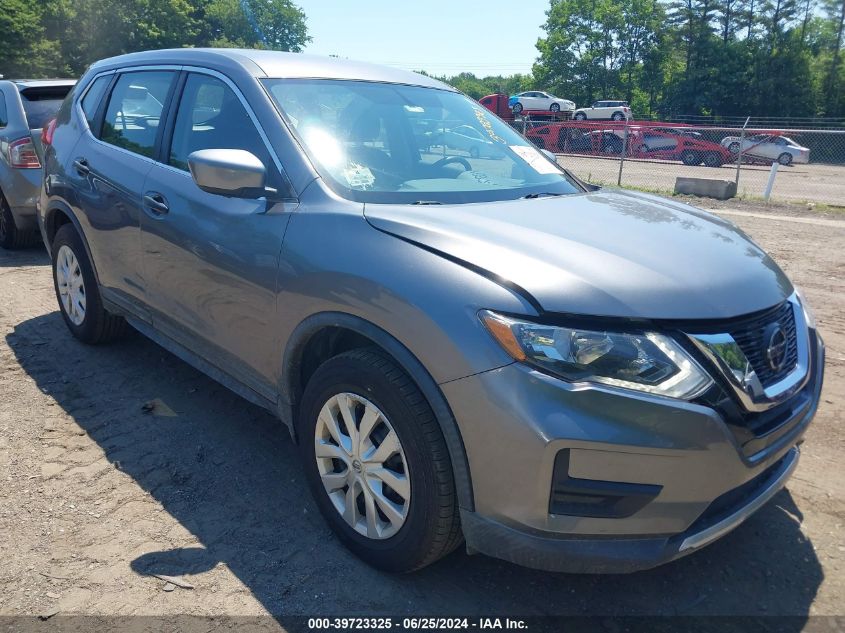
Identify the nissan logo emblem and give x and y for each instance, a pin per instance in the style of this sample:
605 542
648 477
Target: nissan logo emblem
776 345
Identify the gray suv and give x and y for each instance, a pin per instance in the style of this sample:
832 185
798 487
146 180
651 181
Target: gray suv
26 106
465 349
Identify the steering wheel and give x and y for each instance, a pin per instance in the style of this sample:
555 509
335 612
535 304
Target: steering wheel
453 159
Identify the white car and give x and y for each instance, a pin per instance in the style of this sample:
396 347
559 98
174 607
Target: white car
537 100
769 147
613 110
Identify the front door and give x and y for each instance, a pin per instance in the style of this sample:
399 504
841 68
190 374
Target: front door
211 260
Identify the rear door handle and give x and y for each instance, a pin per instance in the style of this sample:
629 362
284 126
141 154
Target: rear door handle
156 203
81 166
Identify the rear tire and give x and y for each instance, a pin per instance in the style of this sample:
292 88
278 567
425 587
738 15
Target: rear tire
733 148
617 116
712 159
11 237
690 158
78 294
370 383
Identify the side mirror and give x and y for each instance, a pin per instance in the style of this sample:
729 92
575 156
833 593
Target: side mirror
549 155
228 172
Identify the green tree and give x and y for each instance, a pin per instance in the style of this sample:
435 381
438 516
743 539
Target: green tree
24 49
273 24
835 83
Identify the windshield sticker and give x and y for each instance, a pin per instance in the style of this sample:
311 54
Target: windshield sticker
481 115
533 157
358 176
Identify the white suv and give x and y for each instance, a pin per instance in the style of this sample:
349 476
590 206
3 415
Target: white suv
536 100
614 110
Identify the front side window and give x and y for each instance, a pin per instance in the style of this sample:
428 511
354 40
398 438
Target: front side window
390 143
211 116
135 110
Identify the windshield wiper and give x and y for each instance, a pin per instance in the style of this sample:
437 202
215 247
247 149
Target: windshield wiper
544 194
427 202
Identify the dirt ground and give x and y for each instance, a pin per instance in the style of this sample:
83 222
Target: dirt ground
823 184
97 495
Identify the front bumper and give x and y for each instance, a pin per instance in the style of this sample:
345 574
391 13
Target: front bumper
619 555
515 422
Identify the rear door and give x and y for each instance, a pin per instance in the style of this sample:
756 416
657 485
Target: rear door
108 170
211 261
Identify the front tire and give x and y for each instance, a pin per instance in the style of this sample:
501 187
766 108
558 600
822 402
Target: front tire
376 462
517 108
785 158
77 291
580 116
555 107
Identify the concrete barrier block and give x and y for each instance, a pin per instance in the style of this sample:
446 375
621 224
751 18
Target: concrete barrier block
706 187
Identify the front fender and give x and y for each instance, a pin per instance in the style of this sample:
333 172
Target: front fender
289 388
339 271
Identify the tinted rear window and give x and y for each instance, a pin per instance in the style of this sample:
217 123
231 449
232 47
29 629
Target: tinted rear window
42 104
3 121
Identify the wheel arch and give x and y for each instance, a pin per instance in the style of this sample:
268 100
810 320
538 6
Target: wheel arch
327 334
57 215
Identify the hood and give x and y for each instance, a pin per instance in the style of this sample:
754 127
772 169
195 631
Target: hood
604 253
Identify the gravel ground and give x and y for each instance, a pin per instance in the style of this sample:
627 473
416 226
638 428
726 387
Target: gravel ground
99 493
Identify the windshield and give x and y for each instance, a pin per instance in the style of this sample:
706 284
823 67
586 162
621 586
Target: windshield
389 143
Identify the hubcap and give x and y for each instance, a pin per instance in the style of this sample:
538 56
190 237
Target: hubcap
70 284
362 466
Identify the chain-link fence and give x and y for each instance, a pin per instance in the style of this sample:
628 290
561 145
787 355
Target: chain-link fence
797 165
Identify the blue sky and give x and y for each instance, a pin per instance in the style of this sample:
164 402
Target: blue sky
438 36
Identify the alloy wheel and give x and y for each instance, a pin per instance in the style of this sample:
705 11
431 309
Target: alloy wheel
362 466
71 285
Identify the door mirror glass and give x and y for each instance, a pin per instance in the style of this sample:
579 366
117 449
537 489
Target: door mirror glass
228 172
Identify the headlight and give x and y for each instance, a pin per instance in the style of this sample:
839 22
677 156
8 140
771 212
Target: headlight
809 315
649 361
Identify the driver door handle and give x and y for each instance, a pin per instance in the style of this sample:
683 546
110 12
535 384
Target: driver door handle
156 203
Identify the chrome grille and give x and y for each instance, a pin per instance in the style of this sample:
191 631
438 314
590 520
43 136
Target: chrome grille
750 336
